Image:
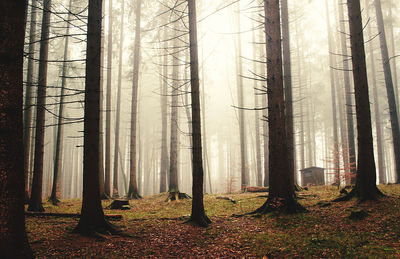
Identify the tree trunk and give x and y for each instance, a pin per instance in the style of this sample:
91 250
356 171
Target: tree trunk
133 192
101 135
365 187
92 219
164 120
13 239
332 62
378 123
287 78
118 113
257 118
60 129
198 214
107 186
392 54
242 129
35 203
281 188
173 159
28 97
349 102
394 119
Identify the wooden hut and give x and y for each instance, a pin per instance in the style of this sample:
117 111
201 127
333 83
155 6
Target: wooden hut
312 176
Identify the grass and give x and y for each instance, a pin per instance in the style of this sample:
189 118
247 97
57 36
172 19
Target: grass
159 230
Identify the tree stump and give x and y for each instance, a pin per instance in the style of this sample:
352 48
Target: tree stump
119 204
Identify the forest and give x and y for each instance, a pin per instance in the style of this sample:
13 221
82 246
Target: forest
175 129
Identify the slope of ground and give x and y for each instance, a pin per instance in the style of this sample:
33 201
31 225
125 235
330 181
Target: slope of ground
158 229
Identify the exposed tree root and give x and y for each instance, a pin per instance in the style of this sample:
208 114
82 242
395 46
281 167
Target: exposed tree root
280 205
133 196
37 207
298 188
177 195
370 195
54 201
96 228
199 220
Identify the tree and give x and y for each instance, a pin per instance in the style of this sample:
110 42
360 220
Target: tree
107 169
133 192
349 102
365 188
332 61
198 214
28 97
35 203
287 78
57 156
378 121
242 129
394 119
13 239
118 113
281 186
164 118
92 219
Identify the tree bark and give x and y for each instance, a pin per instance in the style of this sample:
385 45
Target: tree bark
242 129
60 129
28 98
13 239
133 192
35 203
118 113
198 214
287 78
365 187
332 62
107 183
378 123
394 119
174 153
92 218
349 102
281 188
164 120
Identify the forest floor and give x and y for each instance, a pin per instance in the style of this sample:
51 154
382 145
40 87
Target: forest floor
158 229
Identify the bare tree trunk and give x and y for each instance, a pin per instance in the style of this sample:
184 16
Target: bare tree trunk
242 129
28 98
394 119
392 54
13 239
198 214
164 120
35 203
365 187
287 78
281 189
133 192
264 103
60 129
378 123
349 102
174 142
332 62
107 183
257 119
118 113
92 219
101 135
207 174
